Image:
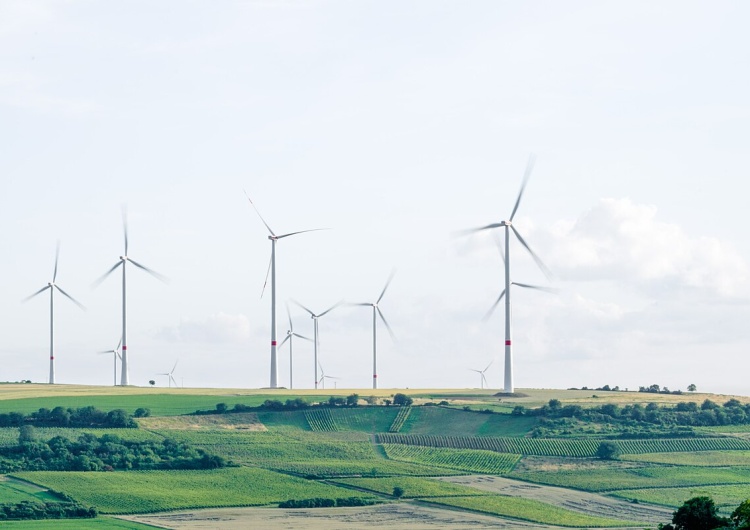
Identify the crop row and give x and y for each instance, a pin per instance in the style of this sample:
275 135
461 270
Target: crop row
473 461
321 420
563 447
400 419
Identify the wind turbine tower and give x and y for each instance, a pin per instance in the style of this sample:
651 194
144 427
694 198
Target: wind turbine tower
289 335
315 335
124 259
508 227
375 313
272 268
52 286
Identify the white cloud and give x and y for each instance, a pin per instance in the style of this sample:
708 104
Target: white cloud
626 242
217 329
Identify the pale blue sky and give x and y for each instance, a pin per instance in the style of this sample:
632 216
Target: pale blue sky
395 124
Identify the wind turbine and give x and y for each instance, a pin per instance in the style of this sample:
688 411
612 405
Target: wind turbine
289 334
52 286
315 336
115 356
124 379
323 377
272 269
483 379
171 379
508 227
375 313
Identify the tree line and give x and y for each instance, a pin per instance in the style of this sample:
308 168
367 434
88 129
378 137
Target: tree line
105 453
73 417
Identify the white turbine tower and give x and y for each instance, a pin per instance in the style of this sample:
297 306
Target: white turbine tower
323 377
124 379
289 335
316 341
171 379
115 355
483 379
272 269
375 313
52 286
508 226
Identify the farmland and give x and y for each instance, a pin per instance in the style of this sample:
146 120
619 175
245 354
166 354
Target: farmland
427 450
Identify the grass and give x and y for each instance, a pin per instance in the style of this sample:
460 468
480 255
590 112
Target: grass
414 488
99 523
700 459
530 510
155 491
488 462
654 476
14 491
725 496
445 421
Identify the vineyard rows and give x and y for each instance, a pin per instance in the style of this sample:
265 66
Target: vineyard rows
400 419
321 420
488 462
563 447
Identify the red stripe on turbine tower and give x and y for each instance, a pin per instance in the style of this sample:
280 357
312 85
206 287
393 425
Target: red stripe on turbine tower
273 343
507 343
375 376
124 347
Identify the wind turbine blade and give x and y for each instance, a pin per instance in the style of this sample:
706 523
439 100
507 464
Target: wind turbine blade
387 283
175 366
76 302
387 326
256 211
301 232
368 304
36 293
306 309
477 371
499 244
153 273
487 315
106 351
481 228
488 366
57 258
484 380
334 306
104 276
125 226
537 287
301 337
119 343
527 174
283 341
173 380
545 270
289 314
268 272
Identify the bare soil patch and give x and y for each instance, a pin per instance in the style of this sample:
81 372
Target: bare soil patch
396 516
235 421
579 501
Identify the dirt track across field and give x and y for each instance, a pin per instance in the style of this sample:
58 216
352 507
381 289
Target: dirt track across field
396 516
579 501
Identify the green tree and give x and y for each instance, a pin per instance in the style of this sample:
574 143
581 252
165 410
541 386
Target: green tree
26 434
698 513
607 451
692 388
398 492
741 516
402 400
352 400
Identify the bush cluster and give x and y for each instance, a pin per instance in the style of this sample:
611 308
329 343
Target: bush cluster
106 453
45 510
69 417
327 503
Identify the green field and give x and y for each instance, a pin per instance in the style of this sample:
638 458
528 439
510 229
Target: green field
14 491
727 497
700 458
356 451
487 462
154 491
530 510
414 488
602 480
99 523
